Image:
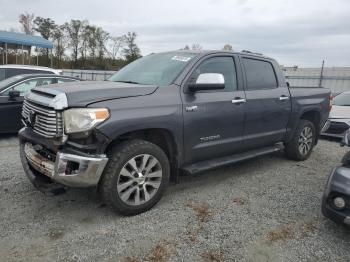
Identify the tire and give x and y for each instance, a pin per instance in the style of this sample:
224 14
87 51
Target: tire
135 177
301 145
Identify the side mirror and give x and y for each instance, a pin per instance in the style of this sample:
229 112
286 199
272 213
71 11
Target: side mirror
288 85
14 94
208 81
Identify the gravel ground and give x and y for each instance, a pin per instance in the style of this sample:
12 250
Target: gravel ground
265 209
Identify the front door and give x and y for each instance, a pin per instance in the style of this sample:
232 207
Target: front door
213 124
10 113
11 108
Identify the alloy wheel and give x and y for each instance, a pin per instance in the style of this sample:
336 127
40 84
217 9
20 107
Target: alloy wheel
305 140
139 179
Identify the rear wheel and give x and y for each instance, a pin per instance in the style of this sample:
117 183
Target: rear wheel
135 177
300 147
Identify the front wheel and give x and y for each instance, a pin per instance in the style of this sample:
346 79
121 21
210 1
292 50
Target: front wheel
135 177
303 141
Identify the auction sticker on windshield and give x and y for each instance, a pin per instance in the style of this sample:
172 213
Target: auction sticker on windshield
181 58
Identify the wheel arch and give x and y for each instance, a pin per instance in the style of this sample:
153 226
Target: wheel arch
163 138
314 117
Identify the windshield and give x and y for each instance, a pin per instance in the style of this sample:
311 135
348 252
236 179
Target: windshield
5 83
154 69
342 99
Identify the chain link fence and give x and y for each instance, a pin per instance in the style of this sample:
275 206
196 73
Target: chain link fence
335 78
89 74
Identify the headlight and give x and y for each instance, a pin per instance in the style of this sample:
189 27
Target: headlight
83 119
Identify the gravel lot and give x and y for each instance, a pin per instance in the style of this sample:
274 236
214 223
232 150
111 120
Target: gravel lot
266 209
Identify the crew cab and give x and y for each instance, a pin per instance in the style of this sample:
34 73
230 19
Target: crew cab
165 114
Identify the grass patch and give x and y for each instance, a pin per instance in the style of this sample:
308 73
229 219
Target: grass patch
160 253
281 234
202 210
213 256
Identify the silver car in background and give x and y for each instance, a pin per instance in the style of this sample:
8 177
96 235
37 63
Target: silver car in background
339 117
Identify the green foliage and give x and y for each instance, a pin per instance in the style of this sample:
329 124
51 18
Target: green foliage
44 26
131 52
78 44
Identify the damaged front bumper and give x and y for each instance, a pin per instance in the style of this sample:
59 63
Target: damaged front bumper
66 168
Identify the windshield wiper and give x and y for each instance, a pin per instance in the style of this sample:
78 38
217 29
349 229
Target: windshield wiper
129 82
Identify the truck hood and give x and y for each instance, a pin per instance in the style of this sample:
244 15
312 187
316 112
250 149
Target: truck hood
81 94
340 112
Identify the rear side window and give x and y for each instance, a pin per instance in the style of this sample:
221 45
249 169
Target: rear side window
260 74
20 71
220 65
41 72
2 74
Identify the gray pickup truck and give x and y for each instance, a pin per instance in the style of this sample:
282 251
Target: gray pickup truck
163 114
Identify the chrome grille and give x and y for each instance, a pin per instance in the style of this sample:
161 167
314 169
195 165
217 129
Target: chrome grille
44 120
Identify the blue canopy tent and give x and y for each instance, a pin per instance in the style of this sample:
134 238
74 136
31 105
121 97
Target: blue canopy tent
21 41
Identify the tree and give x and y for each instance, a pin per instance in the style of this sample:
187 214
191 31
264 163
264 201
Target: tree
115 43
194 47
227 47
27 24
74 31
185 48
46 27
197 47
101 40
87 42
59 40
131 52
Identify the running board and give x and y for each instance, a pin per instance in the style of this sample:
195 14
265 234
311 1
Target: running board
227 160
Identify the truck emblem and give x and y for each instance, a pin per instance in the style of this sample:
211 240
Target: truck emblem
191 108
209 138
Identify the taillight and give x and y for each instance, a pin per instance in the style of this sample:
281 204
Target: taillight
330 102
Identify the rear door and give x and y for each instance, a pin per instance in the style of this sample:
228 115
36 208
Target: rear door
268 103
213 124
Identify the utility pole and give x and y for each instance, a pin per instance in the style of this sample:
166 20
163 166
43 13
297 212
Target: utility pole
321 75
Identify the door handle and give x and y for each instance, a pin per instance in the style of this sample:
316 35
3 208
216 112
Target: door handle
238 100
283 98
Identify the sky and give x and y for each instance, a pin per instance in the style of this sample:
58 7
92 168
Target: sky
294 32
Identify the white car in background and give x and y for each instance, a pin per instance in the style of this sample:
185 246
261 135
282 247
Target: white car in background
7 71
339 117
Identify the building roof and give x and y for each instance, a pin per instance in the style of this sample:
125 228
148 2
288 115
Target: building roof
23 39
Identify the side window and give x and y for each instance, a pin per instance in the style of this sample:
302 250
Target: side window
10 72
44 81
220 65
27 85
2 74
18 71
42 72
65 80
260 74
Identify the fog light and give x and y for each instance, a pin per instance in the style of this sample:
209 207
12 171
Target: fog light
339 202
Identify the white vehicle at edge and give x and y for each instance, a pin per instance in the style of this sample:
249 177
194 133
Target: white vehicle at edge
7 71
339 118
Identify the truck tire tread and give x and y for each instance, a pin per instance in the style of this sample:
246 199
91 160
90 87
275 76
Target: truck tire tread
117 155
291 147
